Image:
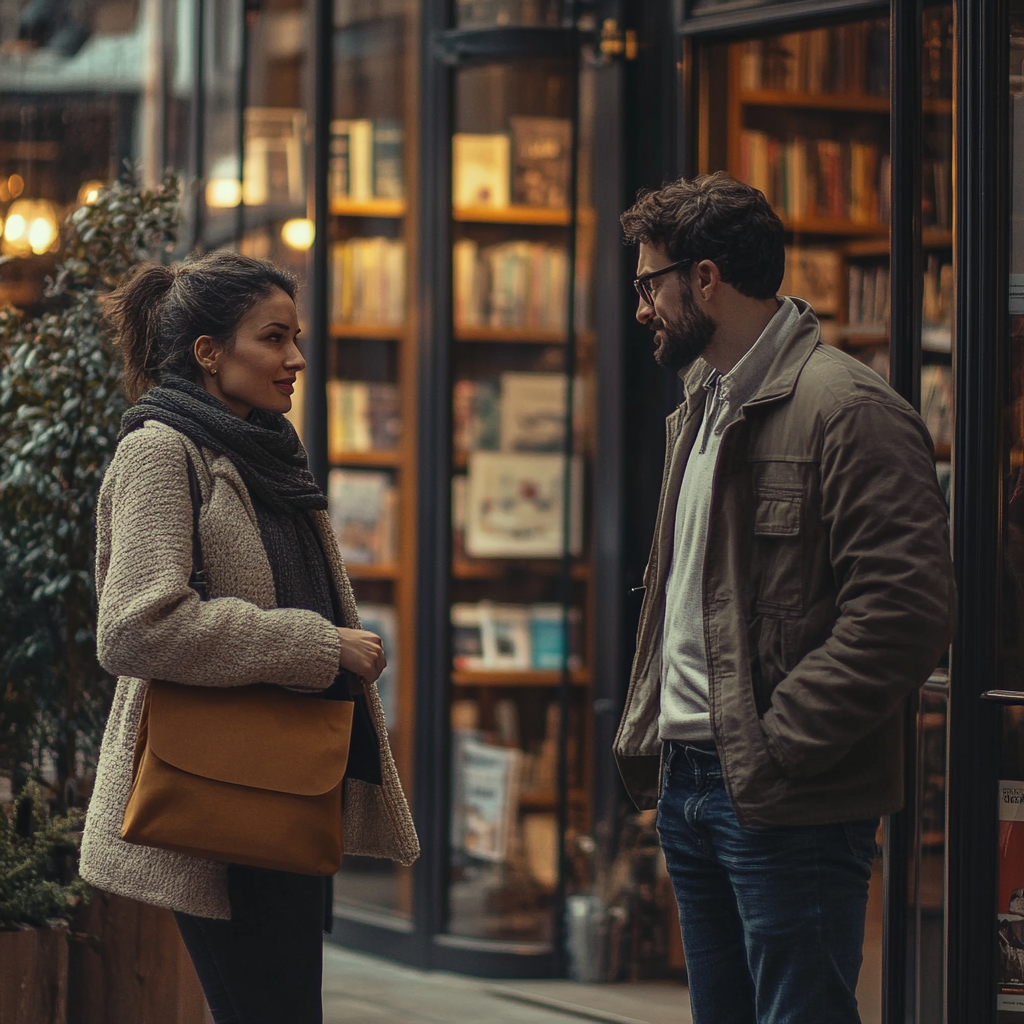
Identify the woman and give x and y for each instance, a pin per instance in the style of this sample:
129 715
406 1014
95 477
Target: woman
210 355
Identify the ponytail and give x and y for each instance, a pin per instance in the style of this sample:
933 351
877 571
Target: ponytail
134 312
158 312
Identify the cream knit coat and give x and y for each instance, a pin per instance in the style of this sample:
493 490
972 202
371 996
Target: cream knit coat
152 625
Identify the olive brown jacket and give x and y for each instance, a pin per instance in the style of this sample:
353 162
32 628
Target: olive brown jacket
828 591
152 625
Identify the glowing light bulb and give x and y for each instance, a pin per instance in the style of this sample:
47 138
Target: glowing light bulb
298 233
223 193
16 228
41 234
89 192
15 185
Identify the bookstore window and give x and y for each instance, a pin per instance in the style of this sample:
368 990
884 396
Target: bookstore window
522 393
370 374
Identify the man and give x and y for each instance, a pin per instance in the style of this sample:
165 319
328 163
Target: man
799 587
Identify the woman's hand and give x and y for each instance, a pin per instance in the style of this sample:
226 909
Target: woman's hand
362 653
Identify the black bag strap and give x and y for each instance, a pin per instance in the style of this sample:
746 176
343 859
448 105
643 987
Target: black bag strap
197 581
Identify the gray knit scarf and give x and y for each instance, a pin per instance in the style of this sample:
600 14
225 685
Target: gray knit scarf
265 448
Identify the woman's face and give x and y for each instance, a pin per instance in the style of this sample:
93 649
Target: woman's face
259 370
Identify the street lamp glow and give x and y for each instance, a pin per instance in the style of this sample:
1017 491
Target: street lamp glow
298 233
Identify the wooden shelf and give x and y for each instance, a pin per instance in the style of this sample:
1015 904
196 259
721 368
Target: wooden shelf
518 335
817 226
866 335
384 459
524 677
931 238
379 332
392 208
855 102
540 800
535 216
358 571
495 568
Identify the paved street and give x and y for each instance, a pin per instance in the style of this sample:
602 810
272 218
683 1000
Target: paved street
359 989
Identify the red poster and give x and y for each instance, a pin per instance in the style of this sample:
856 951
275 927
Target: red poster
1010 992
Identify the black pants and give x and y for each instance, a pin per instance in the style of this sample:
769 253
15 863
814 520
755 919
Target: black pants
265 965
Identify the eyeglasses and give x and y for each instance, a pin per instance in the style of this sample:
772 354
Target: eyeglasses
643 288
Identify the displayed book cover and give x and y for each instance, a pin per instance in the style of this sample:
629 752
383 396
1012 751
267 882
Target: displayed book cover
1010 908
476 415
533 411
515 505
352 147
541 161
467 636
555 636
382 619
540 847
506 636
275 147
480 170
485 797
388 170
937 402
362 504
813 274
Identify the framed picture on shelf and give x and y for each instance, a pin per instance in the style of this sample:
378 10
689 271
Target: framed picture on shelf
515 505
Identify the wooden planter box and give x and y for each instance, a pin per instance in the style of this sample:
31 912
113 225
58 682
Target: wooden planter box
34 976
128 965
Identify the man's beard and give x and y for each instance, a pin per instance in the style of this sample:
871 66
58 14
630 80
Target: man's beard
684 339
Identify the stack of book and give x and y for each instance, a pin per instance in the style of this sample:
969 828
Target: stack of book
362 416
529 168
368 281
517 412
363 506
508 637
817 178
845 59
515 284
868 298
365 161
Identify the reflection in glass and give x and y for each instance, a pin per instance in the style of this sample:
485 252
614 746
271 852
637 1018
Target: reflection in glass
507 13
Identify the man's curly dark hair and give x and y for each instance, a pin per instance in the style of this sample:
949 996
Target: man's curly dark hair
714 217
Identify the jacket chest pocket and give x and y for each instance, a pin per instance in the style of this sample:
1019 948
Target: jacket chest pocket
778 548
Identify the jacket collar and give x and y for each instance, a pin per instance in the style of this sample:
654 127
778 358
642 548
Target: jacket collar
782 376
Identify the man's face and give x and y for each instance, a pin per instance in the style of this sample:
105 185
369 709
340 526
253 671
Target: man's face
682 331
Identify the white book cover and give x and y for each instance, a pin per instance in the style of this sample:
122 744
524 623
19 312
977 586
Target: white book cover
533 411
515 505
361 505
480 170
485 797
506 636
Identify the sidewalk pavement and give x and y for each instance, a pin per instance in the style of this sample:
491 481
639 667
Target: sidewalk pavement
360 989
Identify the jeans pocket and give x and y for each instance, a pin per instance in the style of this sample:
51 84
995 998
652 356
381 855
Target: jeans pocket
860 837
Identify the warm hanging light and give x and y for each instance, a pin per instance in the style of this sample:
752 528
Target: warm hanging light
31 228
90 192
223 193
298 233
15 185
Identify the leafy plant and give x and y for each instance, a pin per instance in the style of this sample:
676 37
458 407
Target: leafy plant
38 880
60 411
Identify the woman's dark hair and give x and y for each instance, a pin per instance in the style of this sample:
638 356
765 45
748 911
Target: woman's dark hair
158 312
714 217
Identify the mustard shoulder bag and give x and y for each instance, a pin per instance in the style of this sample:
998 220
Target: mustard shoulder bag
241 774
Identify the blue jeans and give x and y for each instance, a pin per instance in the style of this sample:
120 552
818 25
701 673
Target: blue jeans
772 918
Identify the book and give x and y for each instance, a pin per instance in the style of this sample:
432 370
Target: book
275 147
813 273
485 795
515 505
362 416
467 636
459 515
382 619
1010 906
480 170
363 510
476 418
540 847
868 297
354 152
533 411
368 281
555 634
541 161
388 170
937 403
506 636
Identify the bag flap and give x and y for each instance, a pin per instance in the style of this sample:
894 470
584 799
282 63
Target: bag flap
258 736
